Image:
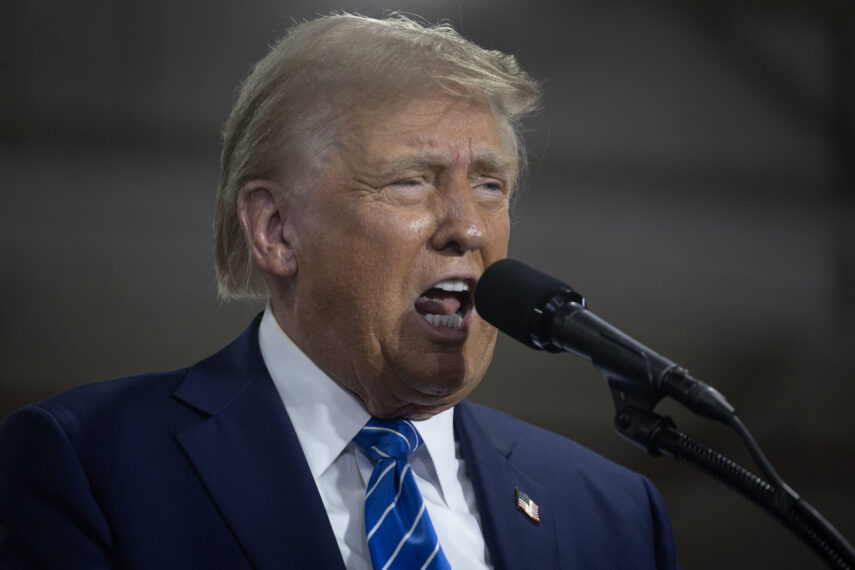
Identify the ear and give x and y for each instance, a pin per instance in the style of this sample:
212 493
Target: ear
268 227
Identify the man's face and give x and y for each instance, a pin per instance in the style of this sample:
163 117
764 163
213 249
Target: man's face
390 242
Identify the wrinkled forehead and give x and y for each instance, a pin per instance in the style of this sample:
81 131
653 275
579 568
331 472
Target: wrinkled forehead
440 128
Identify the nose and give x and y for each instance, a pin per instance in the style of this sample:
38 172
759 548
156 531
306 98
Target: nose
460 218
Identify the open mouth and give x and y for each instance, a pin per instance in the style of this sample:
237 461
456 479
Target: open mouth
446 303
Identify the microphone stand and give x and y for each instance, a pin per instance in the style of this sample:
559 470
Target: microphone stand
636 422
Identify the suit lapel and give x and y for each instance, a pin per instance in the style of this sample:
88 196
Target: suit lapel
513 539
249 459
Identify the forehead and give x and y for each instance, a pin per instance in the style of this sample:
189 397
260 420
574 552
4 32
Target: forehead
440 129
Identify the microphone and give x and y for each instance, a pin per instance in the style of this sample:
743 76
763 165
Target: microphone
547 314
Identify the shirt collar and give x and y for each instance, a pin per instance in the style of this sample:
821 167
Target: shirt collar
438 435
326 417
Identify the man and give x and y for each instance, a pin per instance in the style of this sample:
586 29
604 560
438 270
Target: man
367 171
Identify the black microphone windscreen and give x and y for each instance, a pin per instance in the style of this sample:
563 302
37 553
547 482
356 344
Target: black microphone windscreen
507 294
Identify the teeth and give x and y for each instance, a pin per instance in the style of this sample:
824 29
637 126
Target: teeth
452 285
449 321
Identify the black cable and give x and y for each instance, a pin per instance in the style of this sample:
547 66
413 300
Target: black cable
759 457
800 509
793 512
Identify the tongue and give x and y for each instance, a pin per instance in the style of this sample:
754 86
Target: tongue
436 302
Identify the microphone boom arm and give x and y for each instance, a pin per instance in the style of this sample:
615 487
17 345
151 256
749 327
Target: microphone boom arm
658 435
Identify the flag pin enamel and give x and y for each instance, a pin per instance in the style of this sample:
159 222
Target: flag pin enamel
527 506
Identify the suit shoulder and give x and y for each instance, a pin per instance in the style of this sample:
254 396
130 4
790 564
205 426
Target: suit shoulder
118 393
108 408
543 447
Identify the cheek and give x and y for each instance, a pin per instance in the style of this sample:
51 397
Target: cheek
420 227
390 242
389 225
498 234
379 251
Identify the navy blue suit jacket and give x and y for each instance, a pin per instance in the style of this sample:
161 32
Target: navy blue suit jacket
201 468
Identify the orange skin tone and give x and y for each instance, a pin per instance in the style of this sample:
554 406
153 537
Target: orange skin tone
419 196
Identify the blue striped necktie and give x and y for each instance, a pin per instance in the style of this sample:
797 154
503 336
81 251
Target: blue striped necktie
400 534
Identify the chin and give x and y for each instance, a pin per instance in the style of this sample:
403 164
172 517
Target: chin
431 397
438 382
423 412
412 410
420 399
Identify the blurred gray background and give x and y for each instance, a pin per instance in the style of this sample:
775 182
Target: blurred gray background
693 174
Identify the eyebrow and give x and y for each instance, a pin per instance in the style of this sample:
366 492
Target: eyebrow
493 161
489 161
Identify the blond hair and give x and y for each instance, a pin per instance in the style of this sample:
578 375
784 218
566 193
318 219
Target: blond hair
291 109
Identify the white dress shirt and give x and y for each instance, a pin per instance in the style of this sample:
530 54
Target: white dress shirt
326 417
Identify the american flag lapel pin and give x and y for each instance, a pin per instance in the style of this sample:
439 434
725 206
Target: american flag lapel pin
526 505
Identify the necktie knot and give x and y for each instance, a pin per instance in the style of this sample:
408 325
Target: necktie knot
383 439
398 528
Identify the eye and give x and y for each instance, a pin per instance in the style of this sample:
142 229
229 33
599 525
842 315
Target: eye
487 185
411 184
